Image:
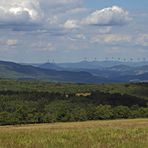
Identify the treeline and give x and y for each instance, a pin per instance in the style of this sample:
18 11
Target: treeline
23 107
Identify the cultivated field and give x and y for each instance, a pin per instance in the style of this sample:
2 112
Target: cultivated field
91 134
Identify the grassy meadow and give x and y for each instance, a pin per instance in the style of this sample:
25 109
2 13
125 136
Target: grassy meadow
91 134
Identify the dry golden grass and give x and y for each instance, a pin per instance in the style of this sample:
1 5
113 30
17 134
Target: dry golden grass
91 134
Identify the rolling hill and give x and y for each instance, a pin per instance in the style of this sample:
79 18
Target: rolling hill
26 72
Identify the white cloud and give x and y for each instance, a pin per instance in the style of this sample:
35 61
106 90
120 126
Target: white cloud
19 12
111 16
71 24
28 12
28 15
108 17
11 42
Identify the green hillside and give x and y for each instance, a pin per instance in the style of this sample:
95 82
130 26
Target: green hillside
24 102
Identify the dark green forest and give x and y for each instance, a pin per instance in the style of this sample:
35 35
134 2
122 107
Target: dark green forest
23 102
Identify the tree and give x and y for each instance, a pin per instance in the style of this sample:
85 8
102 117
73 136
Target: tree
121 112
103 112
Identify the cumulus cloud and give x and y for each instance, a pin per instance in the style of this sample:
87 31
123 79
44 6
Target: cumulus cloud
31 12
19 12
108 17
45 14
111 16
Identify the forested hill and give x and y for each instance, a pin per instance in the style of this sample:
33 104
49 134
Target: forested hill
37 102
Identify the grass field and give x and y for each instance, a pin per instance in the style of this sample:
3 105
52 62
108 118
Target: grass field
92 134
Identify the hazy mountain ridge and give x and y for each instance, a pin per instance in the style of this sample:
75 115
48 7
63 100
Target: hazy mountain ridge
16 71
100 64
82 72
114 71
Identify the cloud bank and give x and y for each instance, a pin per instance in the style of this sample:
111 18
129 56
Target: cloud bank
59 13
38 28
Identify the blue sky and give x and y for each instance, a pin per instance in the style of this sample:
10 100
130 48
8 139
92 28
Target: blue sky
128 4
34 31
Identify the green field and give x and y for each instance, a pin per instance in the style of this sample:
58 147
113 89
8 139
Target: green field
92 134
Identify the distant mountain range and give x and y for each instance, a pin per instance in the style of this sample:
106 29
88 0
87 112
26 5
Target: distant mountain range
12 70
100 64
81 72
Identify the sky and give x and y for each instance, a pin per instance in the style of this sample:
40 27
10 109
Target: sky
37 31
